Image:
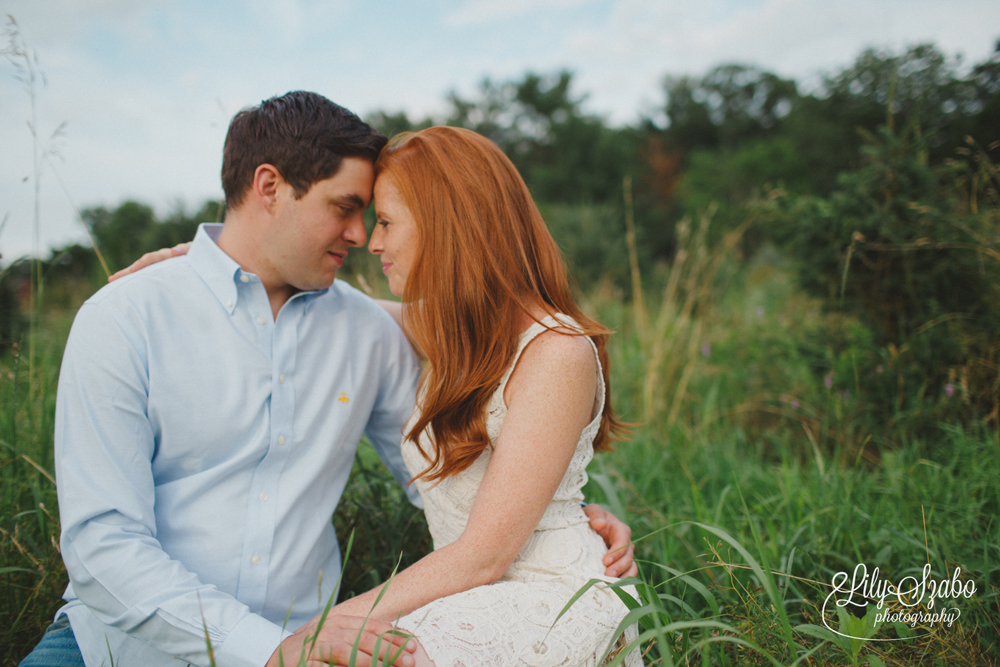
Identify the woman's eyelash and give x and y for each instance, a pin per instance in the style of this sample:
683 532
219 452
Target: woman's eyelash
384 223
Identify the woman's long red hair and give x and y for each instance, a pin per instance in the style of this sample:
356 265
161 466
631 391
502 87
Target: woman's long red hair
485 259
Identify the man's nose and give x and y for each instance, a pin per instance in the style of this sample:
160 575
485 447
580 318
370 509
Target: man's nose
355 233
375 245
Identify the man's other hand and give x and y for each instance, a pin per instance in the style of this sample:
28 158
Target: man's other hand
620 559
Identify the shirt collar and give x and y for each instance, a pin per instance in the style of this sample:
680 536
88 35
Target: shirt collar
220 271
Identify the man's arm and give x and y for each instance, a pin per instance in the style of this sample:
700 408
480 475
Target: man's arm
397 387
395 309
104 451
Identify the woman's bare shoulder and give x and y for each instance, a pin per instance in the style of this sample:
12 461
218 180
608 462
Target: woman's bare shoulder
555 358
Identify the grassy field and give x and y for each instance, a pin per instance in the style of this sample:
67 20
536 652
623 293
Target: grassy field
748 484
766 452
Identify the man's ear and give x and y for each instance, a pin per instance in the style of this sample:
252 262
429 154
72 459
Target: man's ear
266 180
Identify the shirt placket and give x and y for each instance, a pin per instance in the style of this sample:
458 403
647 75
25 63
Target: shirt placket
278 341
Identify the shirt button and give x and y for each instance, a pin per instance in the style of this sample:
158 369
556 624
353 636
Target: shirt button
281 439
261 320
281 378
229 304
255 560
263 496
244 279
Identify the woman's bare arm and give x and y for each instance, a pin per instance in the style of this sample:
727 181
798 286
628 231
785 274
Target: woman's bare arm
551 398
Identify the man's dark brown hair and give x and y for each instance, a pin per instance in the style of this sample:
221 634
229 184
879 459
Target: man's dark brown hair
304 135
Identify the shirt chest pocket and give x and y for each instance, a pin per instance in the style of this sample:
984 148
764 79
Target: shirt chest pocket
209 409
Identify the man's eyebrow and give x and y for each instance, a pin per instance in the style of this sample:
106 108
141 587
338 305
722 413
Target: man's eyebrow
354 199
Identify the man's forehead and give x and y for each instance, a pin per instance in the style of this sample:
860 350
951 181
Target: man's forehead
353 182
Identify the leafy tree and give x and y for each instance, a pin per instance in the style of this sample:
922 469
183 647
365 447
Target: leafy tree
179 227
390 124
920 86
564 154
125 233
119 233
726 129
985 81
494 114
730 105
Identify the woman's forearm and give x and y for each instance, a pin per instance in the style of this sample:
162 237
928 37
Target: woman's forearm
449 570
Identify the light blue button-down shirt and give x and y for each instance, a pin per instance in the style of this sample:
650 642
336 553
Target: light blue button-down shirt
201 448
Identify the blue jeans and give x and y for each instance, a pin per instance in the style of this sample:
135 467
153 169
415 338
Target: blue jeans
58 648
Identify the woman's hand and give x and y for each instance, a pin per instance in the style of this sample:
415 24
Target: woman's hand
152 258
336 639
618 536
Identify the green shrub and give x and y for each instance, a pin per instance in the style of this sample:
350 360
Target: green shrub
910 251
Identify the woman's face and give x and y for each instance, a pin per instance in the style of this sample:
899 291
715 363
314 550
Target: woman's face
395 237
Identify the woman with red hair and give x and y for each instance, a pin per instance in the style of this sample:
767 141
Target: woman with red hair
511 407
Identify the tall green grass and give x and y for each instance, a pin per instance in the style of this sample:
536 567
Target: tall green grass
755 486
32 577
744 504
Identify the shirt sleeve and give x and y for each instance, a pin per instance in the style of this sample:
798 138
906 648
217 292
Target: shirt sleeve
399 373
104 447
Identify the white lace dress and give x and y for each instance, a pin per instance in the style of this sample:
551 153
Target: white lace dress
508 622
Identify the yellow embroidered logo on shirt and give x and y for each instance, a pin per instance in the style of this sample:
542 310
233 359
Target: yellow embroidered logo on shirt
343 397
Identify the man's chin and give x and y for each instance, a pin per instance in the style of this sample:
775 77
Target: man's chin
313 283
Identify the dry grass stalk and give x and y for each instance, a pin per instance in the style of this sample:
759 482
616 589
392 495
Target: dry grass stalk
638 300
681 330
675 336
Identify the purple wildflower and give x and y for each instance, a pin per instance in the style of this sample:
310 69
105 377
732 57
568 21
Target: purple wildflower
706 350
949 390
828 380
795 404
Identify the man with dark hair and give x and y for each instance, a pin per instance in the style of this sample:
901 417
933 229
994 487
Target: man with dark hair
208 413
304 135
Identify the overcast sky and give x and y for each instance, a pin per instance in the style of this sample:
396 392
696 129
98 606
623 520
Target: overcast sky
146 87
